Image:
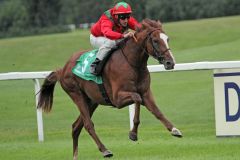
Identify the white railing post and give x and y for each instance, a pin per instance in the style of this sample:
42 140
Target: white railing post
131 115
39 112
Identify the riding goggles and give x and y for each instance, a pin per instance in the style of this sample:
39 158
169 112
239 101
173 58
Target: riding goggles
123 16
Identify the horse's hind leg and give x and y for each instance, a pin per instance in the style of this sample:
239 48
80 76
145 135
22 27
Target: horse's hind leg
136 121
80 99
76 130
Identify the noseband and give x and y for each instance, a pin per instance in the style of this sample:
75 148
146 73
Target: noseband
159 57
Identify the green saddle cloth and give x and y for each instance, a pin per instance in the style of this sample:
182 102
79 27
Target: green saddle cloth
82 67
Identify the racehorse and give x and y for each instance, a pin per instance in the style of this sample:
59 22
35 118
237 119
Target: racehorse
126 80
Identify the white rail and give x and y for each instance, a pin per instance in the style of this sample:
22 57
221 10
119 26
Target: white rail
152 68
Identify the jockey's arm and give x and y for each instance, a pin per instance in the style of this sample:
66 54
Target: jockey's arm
128 34
106 29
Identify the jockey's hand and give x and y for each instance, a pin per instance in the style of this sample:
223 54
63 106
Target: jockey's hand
129 34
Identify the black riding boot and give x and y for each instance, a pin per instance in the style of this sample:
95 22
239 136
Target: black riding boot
93 68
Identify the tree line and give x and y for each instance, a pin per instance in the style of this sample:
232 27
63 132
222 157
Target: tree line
26 17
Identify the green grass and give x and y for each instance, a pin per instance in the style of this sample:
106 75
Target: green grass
186 98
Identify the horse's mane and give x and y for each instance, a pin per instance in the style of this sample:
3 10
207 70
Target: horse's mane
145 24
148 23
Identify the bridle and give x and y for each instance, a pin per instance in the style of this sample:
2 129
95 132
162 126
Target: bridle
160 56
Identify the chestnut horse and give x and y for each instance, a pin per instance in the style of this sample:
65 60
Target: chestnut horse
126 80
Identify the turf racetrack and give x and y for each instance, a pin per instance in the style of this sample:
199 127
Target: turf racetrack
186 98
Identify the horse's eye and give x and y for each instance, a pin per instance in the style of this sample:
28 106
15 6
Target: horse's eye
155 43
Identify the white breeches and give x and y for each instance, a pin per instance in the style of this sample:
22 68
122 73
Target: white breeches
103 44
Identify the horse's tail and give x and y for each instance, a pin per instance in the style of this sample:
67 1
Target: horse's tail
47 89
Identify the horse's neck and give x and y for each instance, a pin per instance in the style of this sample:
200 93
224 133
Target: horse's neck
135 55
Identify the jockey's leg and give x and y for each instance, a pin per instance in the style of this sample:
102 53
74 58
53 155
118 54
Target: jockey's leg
105 46
96 42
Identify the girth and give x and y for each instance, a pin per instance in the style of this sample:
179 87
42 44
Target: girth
104 94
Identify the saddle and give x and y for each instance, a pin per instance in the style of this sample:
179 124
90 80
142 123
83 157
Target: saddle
82 67
82 70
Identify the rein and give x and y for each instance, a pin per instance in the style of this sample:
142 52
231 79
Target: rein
133 66
160 57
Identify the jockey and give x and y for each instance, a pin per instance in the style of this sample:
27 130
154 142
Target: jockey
112 26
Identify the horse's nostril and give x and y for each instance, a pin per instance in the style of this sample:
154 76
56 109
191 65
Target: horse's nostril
168 63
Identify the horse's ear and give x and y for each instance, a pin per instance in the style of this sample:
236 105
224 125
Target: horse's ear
159 23
145 25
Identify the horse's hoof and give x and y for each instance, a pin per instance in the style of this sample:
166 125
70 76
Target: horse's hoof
133 136
107 154
177 133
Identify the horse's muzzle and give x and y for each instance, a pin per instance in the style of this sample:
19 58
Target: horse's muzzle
168 65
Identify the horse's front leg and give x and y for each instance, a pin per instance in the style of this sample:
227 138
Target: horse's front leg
136 121
150 104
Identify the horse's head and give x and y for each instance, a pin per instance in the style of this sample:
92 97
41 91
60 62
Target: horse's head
155 43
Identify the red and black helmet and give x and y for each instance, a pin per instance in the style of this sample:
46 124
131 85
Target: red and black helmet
122 8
